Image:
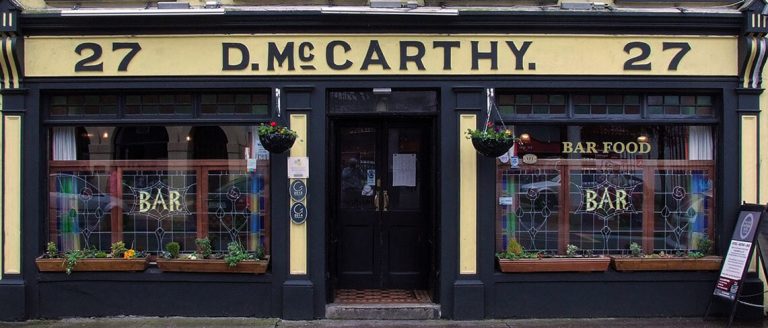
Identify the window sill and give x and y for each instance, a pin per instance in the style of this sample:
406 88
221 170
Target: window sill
707 263
556 264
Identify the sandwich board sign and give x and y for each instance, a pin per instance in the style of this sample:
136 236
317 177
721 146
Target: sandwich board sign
741 247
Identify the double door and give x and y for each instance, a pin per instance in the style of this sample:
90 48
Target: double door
383 215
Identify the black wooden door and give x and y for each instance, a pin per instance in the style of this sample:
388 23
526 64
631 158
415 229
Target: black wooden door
382 206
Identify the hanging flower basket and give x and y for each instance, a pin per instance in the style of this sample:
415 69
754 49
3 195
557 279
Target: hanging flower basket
491 141
276 139
491 147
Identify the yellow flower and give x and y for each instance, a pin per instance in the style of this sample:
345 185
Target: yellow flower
507 132
129 254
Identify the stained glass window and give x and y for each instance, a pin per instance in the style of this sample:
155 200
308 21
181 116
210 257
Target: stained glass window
602 187
150 185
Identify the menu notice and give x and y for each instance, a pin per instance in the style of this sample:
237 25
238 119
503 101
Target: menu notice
739 253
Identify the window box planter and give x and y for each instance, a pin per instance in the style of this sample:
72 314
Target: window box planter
92 264
707 263
556 264
213 265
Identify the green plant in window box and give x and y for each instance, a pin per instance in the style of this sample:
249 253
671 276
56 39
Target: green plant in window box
237 259
681 260
91 259
204 248
275 138
516 259
173 249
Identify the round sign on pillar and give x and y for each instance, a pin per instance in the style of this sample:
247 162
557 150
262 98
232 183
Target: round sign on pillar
298 190
298 213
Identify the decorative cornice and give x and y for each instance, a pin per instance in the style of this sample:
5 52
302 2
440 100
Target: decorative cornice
754 44
10 63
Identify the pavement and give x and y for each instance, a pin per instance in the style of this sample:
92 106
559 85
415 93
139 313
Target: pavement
173 322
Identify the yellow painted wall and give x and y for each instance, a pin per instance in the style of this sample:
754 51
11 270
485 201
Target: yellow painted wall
12 200
467 197
2 165
763 160
202 55
749 158
298 232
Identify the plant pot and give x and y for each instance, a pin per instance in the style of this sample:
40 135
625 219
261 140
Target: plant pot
277 143
107 264
492 147
707 263
209 265
556 264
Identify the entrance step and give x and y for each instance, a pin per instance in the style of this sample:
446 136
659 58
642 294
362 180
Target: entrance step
392 311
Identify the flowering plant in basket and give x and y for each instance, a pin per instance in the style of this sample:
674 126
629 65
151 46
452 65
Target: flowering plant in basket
276 138
491 141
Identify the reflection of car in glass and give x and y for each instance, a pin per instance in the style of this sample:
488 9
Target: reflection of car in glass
551 185
83 203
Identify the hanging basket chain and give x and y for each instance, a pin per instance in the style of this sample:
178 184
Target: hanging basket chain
492 107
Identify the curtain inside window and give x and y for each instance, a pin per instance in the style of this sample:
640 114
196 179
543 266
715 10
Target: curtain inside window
700 145
64 144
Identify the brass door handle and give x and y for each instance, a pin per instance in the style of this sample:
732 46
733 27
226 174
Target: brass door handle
376 201
386 201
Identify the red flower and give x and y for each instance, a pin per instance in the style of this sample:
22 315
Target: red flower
272 124
489 124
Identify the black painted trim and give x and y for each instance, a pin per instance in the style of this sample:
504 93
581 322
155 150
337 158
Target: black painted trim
479 21
446 127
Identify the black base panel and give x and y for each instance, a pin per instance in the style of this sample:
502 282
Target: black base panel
469 296
12 302
552 299
298 298
161 298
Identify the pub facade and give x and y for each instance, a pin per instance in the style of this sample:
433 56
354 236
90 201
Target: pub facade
638 131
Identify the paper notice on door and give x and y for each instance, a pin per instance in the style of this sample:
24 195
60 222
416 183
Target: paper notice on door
404 170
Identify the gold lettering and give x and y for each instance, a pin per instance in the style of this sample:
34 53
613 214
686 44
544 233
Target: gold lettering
645 148
567 147
621 200
159 199
618 147
605 199
579 148
174 204
143 201
591 200
606 146
591 148
632 147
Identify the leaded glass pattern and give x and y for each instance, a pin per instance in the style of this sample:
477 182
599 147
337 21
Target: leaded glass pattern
680 105
605 209
76 105
529 208
612 104
237 208
235 103
82 204
527 104
152 215
149 104
682 208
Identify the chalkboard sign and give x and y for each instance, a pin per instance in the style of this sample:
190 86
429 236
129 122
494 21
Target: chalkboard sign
740 251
